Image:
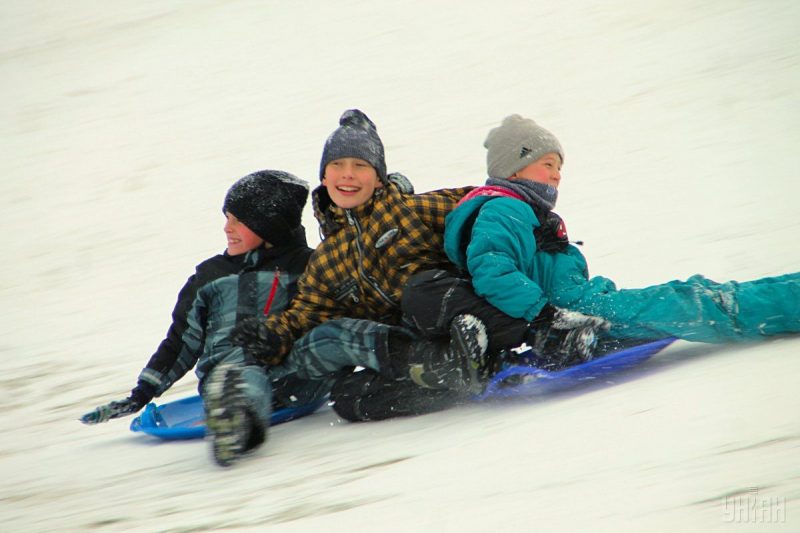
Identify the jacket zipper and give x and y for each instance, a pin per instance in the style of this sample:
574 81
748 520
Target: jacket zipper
272 291
363 275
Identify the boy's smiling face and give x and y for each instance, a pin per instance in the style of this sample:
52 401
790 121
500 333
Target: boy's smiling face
350 181
546 169
241 239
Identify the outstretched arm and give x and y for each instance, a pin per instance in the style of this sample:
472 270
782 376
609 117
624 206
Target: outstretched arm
176 354
140 396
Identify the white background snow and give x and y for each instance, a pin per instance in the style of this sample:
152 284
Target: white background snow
123 125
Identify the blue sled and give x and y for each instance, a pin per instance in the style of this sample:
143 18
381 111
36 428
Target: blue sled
518 381
185 419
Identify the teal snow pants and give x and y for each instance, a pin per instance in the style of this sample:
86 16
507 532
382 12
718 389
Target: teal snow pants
697 309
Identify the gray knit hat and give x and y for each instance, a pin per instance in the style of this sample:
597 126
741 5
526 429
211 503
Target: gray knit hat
356 136
517 143
269 202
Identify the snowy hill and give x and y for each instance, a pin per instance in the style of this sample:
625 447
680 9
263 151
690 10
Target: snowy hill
123 129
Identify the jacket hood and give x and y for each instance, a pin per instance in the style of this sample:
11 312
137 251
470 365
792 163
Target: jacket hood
332 218
297 238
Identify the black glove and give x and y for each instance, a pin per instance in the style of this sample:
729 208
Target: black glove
140 396
562 338
258 341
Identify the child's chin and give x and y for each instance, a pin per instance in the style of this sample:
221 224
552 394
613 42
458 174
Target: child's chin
349 202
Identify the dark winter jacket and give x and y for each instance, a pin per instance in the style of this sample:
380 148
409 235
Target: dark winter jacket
223 290
367 255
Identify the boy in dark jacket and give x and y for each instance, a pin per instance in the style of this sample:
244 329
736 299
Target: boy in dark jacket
256 275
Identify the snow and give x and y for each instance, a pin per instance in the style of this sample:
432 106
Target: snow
123 128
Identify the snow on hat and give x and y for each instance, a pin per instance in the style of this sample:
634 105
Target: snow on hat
269 202
356 136
517 143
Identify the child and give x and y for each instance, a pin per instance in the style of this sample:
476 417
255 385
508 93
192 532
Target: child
257 274
515 249
347 312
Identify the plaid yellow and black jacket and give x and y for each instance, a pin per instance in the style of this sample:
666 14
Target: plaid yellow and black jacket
366 256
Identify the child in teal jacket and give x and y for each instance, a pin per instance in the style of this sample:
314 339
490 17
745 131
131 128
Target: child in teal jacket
495 235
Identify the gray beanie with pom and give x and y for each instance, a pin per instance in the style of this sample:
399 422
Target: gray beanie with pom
269 202
517 143
356 136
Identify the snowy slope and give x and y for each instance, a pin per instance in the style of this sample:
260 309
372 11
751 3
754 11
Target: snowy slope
123 128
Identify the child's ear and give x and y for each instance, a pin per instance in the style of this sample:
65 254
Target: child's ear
380 183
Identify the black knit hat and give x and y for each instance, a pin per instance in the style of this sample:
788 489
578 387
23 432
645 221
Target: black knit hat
269 202
356 136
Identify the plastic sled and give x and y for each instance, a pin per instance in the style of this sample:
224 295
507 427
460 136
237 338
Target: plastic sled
529 380
185 419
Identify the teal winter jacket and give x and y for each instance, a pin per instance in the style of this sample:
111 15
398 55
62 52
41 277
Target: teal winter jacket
492 238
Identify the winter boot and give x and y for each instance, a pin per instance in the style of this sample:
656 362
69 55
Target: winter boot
562 338
454 365
232 423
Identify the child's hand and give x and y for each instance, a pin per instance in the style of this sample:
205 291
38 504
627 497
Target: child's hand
258 341
402 183
565 337
565 319
140 396
106 412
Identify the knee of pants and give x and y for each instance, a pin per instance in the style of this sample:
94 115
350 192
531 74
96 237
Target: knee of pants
291 391
424 277
432 298
367 395
338 344
331 330
419 286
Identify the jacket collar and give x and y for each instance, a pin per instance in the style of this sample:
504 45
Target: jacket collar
332 218
260 255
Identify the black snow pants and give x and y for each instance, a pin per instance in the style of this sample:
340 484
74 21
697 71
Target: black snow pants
430 301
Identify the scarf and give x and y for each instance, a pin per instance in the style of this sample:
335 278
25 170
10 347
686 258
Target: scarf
538 195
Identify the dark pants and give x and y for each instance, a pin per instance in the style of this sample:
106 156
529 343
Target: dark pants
368 395
332 351
431 300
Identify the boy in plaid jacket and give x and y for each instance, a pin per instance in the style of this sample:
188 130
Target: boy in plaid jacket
377 235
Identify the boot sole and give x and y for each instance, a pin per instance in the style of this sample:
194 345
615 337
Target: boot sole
226 416
472 349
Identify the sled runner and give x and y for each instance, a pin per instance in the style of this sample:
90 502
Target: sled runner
185 419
